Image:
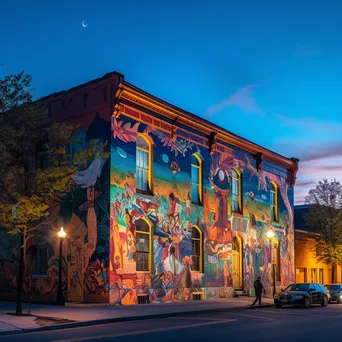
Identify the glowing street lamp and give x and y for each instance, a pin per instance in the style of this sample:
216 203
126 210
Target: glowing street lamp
60 298
270 236
62 233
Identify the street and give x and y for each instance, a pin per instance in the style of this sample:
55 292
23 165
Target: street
268 324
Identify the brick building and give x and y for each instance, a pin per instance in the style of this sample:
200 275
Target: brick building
182 209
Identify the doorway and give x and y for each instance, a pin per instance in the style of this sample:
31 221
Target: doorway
237 263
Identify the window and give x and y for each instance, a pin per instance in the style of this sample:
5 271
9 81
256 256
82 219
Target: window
274 202
196 247
314 275
317 288
236 191
143 245
321 275
196 179
144 164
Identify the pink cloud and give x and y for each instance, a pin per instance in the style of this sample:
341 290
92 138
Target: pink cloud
242 98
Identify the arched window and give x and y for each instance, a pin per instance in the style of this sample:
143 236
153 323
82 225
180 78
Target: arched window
196 249
144 164
196 179
274 202
236 191
143 245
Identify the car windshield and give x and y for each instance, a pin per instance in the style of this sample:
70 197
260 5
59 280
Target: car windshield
297 287
334 287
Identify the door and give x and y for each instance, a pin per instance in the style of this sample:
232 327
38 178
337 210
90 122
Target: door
319 293
75 269
301 275
313 275
236 270
237 264
313 293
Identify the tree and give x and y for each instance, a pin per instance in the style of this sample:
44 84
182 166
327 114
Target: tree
35 162
325 220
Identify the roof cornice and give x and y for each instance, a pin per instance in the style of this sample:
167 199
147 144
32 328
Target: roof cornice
134 95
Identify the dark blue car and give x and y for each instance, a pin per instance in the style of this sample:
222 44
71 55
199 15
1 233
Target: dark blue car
303 294
335 293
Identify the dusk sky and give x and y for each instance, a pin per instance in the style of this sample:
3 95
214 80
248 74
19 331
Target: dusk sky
270 71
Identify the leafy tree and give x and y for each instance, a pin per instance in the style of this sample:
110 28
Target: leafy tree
324 219
35 162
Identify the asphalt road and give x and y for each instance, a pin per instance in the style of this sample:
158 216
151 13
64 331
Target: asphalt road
268 324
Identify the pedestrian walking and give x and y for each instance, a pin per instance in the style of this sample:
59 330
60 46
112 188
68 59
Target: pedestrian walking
258 288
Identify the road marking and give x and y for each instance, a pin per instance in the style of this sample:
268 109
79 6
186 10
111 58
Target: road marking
198 318
251 316
129 333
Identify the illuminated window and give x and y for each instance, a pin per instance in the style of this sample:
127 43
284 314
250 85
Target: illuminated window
196 179
236 191
274 202
144 164
143 245
196 247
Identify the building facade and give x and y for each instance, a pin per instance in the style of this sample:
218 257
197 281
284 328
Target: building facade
181 210
308 268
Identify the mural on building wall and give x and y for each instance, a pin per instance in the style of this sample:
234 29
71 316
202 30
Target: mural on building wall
84 213
171 215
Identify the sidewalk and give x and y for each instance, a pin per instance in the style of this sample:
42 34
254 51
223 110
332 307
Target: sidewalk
49 317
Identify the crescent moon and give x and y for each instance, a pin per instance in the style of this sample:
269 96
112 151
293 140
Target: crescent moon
84 23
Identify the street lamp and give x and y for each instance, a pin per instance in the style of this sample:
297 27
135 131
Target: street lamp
270 236
60 298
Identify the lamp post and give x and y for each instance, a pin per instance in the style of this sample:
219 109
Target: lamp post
270 236
60 298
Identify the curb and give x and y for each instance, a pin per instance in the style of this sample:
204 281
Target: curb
126 319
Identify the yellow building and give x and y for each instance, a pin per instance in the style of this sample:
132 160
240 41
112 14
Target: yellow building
308 269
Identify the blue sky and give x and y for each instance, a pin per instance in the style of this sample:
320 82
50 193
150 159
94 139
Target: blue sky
270 71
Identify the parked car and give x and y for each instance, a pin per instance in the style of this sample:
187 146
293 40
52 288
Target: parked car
303 294
334 292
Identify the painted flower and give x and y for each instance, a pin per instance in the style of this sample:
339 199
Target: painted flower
124 132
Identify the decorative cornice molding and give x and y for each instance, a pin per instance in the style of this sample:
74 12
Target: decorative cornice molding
130 93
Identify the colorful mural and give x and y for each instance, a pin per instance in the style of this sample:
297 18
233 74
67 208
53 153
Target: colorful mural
84 213
235 246
127 246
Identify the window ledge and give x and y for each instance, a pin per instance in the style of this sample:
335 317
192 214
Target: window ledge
237 214
143 272
146 193
40 276
276 224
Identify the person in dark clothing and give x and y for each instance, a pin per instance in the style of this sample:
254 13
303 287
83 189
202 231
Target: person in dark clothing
258 288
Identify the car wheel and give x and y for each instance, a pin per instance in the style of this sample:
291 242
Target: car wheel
325 301
278 306
307 302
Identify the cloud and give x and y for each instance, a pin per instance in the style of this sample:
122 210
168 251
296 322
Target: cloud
320 152
305 51
310 123
305 184
242 98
